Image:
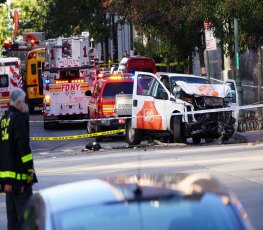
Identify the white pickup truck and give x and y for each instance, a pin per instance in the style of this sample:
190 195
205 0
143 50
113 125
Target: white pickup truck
157 98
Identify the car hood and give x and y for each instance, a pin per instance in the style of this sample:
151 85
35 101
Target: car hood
211 90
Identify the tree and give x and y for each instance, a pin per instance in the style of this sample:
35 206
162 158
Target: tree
170 25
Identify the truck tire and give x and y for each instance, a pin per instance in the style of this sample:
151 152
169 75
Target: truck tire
196 140
177 130
47 125
89 128
209 140
133 136
99 129
50 124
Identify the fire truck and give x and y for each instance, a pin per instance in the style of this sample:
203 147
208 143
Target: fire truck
66 79
10 77
31 52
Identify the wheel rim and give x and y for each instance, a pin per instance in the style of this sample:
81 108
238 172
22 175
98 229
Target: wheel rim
131 133
89 127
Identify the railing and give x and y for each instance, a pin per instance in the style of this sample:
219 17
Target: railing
250 122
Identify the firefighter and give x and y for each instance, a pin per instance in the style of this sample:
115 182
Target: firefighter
17 172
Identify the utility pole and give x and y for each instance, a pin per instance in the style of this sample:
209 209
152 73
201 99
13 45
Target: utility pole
238 80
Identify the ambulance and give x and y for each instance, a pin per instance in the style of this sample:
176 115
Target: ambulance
10 77
66 79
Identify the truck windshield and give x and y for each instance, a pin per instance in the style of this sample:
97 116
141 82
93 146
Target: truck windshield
68 74
188 80
113 88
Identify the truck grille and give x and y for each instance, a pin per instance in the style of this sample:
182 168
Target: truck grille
209 102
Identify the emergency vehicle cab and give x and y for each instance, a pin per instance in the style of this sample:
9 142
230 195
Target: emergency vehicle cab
66 80
10 77
101 106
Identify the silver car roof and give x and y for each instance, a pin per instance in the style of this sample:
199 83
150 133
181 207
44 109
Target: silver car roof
96 191
80 193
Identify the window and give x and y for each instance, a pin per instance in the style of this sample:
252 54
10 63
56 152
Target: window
133 70
231 96
144 85
4 81
33 69
114 88
41 54
188 80
69 74
150 70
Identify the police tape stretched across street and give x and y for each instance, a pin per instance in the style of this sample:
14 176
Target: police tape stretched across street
57 138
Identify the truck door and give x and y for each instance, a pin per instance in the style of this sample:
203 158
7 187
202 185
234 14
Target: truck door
232 96
149 102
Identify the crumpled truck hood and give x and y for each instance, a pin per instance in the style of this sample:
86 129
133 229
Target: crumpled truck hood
211 90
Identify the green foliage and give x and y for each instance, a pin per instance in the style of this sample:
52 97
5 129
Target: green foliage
4 24
171 26
71 17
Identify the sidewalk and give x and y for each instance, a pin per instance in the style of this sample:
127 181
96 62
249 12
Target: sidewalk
247 137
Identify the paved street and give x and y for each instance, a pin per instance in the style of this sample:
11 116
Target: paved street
238 166
44 148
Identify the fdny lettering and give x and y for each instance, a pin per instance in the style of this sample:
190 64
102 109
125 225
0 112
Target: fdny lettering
4 125
70 87
70 62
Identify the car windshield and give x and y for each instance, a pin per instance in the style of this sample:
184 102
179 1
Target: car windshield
113 88
205 212
188 80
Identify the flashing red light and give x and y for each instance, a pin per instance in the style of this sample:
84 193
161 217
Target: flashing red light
101 75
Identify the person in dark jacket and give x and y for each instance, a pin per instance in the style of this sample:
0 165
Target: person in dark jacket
17 172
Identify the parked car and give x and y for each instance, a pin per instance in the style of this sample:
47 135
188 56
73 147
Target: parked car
148 202
137 63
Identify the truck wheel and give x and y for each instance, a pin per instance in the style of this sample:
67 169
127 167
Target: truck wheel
209 140
196 140
99 138
47 125
133 136
89 128
177 135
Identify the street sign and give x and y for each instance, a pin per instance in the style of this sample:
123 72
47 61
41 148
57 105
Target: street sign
85 34
210 39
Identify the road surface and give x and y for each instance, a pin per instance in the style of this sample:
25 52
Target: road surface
239 167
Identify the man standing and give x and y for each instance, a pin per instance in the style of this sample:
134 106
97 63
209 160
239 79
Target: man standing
16 162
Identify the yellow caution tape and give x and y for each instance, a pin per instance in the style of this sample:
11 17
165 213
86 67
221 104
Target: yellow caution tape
76 136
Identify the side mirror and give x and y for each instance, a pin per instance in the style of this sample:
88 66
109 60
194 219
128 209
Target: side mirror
88 93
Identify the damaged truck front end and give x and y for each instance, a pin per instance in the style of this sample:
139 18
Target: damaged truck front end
206 124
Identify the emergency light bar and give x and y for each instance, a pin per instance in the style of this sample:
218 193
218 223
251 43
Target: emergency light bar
118 77
75 81
60 82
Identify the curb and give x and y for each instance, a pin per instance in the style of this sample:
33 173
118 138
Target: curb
239 138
